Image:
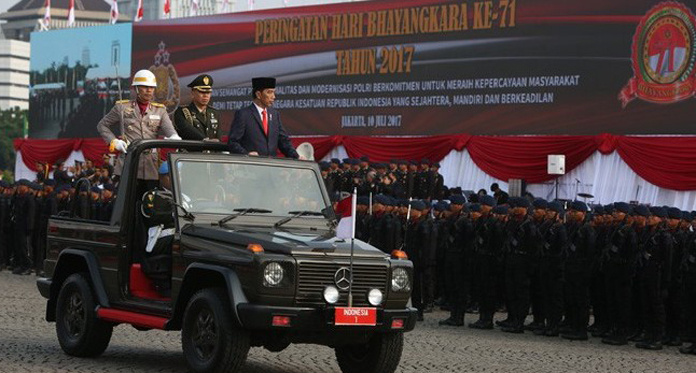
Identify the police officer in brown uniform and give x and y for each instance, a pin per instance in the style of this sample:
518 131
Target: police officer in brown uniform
138 119
198 121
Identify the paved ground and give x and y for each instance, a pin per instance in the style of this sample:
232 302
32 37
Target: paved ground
29 344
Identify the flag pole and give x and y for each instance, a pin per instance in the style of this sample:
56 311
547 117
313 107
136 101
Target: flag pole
370 205
352 245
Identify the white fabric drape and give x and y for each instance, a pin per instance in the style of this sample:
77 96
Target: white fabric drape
21 170
337 152
607 177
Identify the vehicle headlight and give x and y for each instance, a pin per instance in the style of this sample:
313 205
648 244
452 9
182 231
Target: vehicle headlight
331 295
400 280
273 274
374 297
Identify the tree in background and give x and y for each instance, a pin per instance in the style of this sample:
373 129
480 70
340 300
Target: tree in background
12 126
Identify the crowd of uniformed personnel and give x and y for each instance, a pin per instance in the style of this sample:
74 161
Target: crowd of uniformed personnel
632 267
82 191
398 178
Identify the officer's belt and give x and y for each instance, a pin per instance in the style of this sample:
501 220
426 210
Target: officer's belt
519 252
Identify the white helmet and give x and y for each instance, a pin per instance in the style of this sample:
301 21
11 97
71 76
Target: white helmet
145 78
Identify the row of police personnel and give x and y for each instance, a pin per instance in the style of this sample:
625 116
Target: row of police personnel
398 178
632 267
25 208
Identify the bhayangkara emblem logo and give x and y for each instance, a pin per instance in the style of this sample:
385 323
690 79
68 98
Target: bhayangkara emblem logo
342 278
663 56
167 91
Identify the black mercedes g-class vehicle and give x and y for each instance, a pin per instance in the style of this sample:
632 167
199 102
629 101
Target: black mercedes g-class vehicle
251 259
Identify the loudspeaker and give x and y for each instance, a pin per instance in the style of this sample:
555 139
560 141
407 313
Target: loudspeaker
556 164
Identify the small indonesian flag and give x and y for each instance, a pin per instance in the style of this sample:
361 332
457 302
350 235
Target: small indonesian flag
167 7
71 13
139 12
346 208
114 12
47 14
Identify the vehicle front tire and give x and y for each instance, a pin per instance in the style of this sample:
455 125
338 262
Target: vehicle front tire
80 332
210 341
381 354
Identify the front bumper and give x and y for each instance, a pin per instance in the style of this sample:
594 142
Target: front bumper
320 319
44 285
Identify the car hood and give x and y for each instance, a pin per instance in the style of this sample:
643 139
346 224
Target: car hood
296 242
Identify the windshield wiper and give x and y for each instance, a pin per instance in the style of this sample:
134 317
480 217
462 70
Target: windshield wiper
241 212
187 215
297 214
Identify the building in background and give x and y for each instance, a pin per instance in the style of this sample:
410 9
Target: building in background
154 9
14 74
23 18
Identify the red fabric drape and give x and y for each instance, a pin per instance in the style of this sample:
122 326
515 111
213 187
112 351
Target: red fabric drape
433 148
94 149
668 162
39 150
526 157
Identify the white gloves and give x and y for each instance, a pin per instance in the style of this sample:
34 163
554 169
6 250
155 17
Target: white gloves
173 137
118 145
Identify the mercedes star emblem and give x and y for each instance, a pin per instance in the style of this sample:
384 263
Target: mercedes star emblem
342 278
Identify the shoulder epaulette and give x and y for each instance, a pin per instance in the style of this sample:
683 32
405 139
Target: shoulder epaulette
122 101
187 114
156 104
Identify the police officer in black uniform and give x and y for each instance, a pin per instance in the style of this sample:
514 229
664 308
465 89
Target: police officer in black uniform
23 219
656 258
674 321
488 242
687 270
551 268
619 261
198 120
539 206
581 251
424 181
522 246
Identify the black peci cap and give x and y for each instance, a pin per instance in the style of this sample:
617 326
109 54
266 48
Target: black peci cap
261 83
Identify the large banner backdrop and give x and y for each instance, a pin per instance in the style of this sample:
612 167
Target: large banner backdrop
426 67
76 76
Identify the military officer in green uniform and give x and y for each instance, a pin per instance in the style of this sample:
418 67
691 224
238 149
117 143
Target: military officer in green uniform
198 121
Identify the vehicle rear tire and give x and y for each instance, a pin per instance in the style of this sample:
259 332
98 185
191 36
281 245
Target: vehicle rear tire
210 341
381 354
80 332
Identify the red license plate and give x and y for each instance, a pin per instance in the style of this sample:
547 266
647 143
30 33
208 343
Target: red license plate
356 316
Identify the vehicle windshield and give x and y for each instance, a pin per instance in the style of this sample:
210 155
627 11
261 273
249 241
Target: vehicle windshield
218 187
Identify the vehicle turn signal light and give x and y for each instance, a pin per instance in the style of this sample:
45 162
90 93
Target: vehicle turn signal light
399 254
397 324
255 248
283 321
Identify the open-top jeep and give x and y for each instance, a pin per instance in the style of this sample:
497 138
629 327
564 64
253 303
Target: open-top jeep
252 260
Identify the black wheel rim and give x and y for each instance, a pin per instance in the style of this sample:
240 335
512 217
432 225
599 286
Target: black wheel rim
205 335
75 315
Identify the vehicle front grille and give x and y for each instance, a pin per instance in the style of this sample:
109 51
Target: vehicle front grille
315 276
